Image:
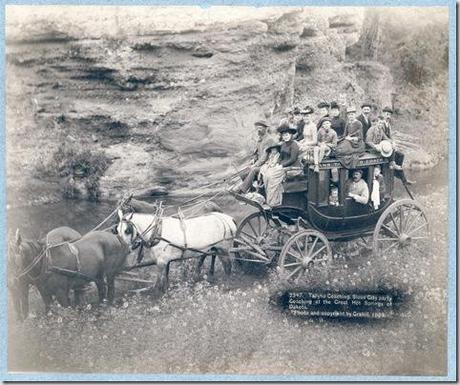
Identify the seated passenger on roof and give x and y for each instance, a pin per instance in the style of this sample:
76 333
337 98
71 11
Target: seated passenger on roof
327 141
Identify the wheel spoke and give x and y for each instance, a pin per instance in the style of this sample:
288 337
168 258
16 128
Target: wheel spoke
292 264
396 226
390 230
387 239
400 219
298 247
418 238
293 255
301 273
252 228
390 247
317 252
312 247
414 219
252 237
294 272
259 225
418 228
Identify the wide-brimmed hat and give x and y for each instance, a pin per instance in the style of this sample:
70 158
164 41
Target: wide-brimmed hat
286 128
261 123
366 104
351 109
357 170
307 110
272 143
335 105
388 109
386 148
323 105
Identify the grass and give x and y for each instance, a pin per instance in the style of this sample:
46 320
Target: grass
234 327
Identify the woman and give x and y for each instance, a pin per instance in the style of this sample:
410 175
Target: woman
309 135
289 151
272 175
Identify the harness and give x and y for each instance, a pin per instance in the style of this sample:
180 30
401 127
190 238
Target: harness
156 237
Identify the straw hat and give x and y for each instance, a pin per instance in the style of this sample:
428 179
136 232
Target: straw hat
386 149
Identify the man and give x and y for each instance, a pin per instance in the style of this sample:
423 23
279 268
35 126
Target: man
323 109
305 120
398 156
337 123
376 134
297 123
364 118
353 124
260 156
289 116
327 142
356 188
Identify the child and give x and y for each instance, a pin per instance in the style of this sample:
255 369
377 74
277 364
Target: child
334 197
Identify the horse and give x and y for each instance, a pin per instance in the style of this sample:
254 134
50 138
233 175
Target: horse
65 266
168 238
24 273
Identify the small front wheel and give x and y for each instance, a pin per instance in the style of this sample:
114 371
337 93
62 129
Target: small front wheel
303 251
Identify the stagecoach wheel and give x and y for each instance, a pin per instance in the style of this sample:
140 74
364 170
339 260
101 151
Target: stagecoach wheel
249 241
402 226
303 251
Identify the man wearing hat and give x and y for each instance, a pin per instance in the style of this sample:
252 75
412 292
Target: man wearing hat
337 123
323 109
398 156
364 118
387 113
356 188
260 155
327 141
297 122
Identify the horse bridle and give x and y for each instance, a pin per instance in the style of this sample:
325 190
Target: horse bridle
137 237
28 269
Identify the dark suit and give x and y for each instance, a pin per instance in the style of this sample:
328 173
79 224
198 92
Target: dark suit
366 125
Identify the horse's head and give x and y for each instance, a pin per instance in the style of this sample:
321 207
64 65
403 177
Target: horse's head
21 254
127 230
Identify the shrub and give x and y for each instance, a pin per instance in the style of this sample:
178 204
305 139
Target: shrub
74 160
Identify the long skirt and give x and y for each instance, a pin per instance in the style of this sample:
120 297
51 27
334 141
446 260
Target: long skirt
273 180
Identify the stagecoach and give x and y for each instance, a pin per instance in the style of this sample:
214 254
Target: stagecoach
297 235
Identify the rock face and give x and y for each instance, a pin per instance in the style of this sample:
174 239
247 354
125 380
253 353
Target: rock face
173 103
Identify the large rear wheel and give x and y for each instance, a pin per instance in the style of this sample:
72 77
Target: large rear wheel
402 226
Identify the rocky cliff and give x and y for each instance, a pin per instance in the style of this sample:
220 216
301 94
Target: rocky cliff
170 95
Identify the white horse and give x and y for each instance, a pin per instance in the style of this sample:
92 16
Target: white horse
212 234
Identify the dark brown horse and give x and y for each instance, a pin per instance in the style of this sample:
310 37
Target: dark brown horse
26 267
66 266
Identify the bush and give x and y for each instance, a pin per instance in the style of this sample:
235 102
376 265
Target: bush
74 161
